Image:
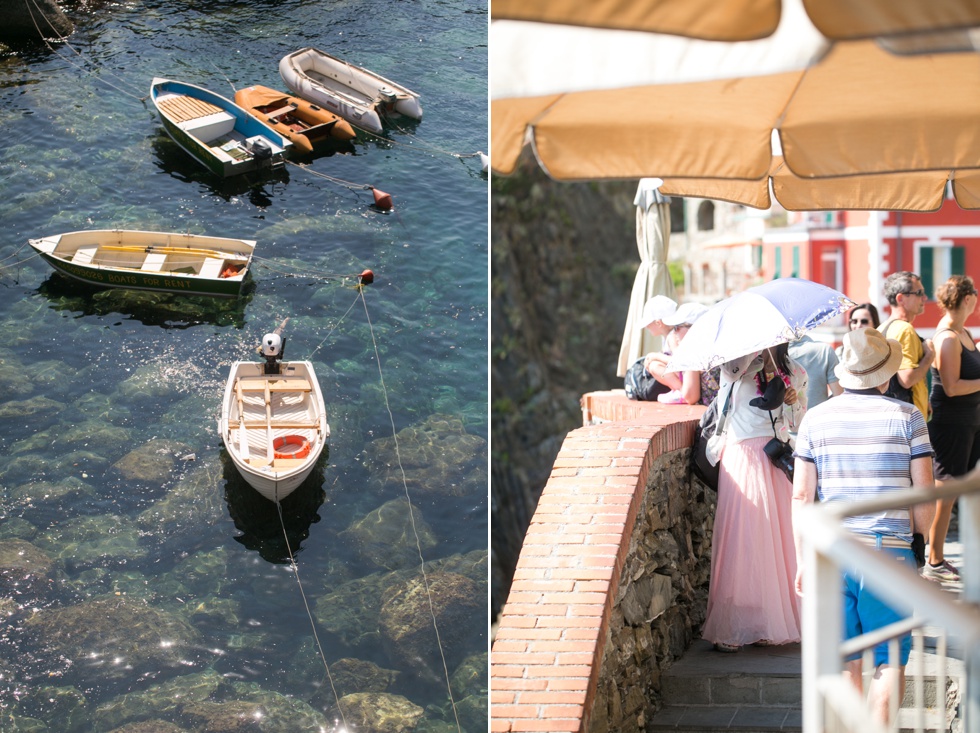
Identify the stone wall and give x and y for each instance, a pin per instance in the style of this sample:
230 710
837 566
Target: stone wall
611 583
662 596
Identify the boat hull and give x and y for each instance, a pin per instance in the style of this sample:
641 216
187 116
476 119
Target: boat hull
215 131
361 97
264 414
186 264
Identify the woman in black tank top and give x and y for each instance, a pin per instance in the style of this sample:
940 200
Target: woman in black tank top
954 429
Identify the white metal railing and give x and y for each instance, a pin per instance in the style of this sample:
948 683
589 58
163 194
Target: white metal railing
830 702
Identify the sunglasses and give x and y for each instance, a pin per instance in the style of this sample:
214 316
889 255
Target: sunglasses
861 321
918 293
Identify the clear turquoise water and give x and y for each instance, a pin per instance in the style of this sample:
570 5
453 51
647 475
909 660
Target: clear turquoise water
93 377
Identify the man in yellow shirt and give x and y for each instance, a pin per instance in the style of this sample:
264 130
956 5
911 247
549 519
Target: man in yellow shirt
908 299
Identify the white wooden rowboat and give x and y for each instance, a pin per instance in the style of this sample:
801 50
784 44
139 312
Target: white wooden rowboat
274 426
361 97
169 262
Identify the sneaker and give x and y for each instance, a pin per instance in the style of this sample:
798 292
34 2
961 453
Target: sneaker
942 572
726 648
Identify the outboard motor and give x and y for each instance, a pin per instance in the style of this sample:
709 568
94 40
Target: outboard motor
273 346
259 148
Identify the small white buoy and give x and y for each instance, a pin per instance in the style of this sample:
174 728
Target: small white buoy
484 160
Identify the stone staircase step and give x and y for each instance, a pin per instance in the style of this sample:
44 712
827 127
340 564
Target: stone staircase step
716 718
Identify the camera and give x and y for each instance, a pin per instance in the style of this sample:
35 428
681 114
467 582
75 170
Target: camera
781 455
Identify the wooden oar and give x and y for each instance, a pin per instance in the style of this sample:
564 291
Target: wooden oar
242 432
174 250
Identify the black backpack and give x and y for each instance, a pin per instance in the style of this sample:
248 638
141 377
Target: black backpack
640 384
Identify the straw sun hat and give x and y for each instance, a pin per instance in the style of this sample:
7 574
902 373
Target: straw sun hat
868 359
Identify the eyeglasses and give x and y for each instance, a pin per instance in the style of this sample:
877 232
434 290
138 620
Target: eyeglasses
918 293
861 321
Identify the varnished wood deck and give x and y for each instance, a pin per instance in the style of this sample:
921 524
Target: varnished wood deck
181 108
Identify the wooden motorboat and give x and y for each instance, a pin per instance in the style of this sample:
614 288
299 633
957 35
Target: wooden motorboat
273 421
302 122
190 264
218 133
361 97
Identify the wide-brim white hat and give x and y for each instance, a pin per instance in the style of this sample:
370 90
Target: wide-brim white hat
656 309
685 313
868 359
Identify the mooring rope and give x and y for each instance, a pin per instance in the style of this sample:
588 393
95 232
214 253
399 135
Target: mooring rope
64 40
309 614
411 510
333 179
336 326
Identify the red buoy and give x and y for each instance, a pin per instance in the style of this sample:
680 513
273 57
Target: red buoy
367 277
381 199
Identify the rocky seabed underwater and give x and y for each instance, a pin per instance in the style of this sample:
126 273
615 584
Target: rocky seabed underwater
127 609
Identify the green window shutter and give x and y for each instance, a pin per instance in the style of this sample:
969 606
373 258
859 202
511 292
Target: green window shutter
777 270
926 270
957 260
796 262
757 256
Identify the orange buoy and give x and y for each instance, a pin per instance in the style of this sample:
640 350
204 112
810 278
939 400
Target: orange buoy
291 446
381 199
367 277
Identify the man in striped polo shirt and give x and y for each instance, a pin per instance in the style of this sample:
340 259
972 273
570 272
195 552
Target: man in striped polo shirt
858 446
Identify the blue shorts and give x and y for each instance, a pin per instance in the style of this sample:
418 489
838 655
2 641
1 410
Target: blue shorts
864 611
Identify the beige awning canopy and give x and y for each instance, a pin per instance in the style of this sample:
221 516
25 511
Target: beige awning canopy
831 125
745 20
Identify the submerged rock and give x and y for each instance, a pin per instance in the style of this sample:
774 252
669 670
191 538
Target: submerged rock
152 462
149 381
15 378
346 676
116 638
194 500
407 632
33 407
209 703
438 456
98 436
385 538
472 676
150 726
62 708
159 701
98 541
232 716
379 712
352 610
23 557
25 571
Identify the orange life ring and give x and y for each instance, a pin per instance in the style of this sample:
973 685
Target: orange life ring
296 446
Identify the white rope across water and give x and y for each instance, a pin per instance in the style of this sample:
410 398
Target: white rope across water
411 513
309 613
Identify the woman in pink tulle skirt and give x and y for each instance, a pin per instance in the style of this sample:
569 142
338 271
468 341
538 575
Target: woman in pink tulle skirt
752 597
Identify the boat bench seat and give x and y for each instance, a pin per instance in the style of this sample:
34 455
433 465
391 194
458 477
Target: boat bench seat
85 255
264 425
283 463
211 267
154 262
275 384
281 111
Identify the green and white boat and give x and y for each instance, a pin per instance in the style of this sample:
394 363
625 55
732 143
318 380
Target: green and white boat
189 264
222 136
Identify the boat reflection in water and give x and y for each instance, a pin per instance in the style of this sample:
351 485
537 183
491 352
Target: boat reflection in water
257 518
167 310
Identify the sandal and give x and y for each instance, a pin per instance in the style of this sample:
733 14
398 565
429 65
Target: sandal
726 648
763 642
